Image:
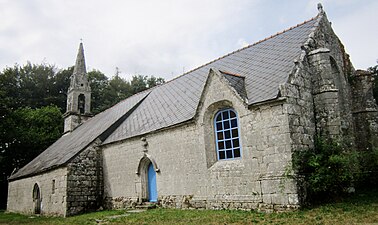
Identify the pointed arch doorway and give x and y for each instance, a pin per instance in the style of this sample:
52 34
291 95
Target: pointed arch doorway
147 170
37 199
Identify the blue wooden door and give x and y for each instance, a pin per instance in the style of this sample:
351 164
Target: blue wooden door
152 190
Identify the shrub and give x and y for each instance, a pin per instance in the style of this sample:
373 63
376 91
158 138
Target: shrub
328 170
368 176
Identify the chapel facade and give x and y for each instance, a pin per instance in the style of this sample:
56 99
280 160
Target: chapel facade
220 136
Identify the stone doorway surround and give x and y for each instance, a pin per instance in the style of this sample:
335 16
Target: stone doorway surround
37 200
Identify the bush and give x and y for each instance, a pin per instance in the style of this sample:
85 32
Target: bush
328 170
368 176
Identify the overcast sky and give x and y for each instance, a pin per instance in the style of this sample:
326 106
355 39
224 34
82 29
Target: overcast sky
166 37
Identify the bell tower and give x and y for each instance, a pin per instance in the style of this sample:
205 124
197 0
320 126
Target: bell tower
78 95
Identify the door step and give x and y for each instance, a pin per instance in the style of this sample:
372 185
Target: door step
146 205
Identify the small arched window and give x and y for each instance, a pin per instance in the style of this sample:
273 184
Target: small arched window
227 135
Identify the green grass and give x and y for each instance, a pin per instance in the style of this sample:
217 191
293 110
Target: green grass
358 209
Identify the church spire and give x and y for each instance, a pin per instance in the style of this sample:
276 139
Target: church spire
78 95
79 78
80 68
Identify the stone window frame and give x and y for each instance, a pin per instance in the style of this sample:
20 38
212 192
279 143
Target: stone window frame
53 186
225 126
37 198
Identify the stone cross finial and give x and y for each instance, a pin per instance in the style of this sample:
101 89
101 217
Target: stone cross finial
320 8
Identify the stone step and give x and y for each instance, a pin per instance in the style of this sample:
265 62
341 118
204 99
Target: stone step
146 205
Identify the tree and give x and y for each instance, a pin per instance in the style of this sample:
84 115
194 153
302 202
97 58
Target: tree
61 82
140 83
34 86
25 133
32 100
99 82
154 81
374 70
28 122
117 90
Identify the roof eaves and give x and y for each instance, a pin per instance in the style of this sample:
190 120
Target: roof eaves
188 121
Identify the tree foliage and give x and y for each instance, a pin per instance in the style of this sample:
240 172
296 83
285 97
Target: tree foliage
32 100
328 170
25 132
106 93
34 86
374 70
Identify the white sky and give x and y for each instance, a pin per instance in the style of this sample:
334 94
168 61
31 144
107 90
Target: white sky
166 37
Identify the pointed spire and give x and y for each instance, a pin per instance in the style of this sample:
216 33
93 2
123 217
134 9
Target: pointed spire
80 68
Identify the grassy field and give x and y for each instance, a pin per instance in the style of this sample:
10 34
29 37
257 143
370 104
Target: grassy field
358 209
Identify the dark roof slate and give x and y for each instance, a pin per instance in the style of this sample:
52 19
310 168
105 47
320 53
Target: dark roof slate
237 82
72 143
264 65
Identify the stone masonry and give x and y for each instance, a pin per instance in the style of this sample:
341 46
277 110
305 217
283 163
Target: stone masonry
365 111
53 196
196 179
322 96
84 181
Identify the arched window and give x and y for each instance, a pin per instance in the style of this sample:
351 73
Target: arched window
227 136
37 199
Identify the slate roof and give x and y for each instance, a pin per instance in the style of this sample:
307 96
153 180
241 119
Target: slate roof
264 65
72 143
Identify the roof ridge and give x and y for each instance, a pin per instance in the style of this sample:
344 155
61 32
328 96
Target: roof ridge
231 74
251 45
238 50
138 93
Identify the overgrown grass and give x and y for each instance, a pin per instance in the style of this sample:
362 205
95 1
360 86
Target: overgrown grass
358 209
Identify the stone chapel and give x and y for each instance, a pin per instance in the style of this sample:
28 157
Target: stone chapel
220 136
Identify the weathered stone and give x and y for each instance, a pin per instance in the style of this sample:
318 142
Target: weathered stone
315 101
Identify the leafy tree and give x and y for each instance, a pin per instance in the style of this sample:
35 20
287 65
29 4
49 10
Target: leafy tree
117 90
60 83
154 81
25 133
99 83
34 86
32 100
138 83
374 70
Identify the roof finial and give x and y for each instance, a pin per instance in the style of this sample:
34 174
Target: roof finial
320 8
81 40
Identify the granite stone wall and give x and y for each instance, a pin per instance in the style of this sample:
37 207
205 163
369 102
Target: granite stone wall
189 174
331 71
84 181
365 111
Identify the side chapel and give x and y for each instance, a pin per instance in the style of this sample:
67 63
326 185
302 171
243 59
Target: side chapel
219 136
